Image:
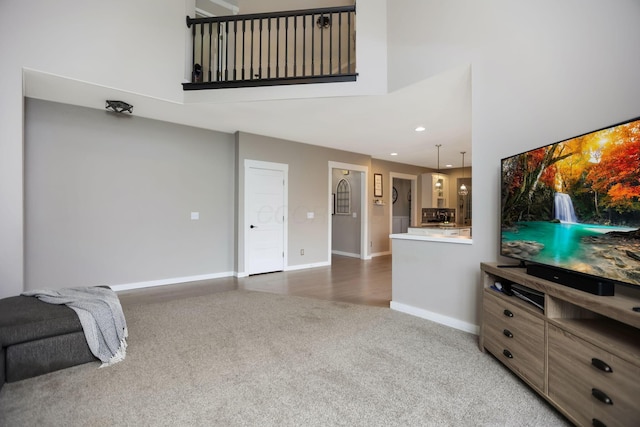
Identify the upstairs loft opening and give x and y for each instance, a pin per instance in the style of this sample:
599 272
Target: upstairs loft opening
276 48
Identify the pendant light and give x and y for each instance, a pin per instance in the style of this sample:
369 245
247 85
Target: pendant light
463 188
438 184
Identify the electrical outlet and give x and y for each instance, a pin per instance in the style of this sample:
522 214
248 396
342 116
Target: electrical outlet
301 251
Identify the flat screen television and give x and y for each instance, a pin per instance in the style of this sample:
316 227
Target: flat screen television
570 210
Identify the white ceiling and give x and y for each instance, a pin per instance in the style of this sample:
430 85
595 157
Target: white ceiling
372 125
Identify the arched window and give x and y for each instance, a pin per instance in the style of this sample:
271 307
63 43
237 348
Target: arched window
343 198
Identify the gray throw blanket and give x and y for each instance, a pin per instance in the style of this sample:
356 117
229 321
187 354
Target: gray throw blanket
100 314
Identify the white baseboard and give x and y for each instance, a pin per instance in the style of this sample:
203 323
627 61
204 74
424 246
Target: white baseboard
358 255
381 254
305 266
349 254
171 281
435 317
291 268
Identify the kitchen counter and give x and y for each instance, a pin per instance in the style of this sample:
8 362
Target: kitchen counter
461 240
449 233
441 230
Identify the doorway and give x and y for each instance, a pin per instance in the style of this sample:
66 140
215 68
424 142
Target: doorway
464 202
404 212
346 213
354 216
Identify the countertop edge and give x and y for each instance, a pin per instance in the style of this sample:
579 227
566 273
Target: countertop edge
456 240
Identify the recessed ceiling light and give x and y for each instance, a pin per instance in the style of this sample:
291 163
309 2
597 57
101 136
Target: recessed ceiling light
394 154
448 166
420 129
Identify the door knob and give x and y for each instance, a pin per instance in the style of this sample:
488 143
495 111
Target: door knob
252 226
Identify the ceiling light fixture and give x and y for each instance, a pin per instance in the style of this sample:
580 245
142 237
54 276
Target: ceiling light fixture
119 106
393 154
420 129
463 188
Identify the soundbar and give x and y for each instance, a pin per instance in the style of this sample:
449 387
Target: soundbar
588 284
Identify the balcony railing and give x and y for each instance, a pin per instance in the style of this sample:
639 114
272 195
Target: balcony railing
266 49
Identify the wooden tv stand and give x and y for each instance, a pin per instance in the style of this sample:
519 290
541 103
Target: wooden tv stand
581 353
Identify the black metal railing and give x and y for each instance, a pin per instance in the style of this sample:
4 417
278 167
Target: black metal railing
294 47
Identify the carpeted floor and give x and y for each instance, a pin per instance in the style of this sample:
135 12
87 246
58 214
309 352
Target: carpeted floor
239 358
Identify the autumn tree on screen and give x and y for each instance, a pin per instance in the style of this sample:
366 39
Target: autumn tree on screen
529 181
600 171
617 175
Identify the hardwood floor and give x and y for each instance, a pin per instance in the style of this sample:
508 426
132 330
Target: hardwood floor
346 279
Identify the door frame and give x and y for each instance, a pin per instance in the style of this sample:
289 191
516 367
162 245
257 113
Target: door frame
364 212
413 215
284 168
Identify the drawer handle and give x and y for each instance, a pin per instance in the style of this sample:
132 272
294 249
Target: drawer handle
507 353
507 333
508 313
597 423
601 396
601 365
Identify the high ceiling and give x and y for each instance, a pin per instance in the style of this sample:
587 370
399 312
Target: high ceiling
373 125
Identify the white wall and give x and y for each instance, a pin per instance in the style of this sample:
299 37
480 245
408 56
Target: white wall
542 71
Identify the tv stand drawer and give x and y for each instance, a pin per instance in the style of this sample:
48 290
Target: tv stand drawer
515 336
590 382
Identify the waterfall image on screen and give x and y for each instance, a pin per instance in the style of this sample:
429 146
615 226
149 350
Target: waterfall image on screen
575 204
563 208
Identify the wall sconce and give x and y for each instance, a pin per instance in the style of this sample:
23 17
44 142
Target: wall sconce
119 106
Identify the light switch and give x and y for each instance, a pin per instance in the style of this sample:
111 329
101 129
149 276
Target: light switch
355 214
195 215
310 215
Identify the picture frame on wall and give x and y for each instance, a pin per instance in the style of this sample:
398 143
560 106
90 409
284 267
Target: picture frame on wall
377 185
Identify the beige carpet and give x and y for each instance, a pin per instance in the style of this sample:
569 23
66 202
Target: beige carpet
240 358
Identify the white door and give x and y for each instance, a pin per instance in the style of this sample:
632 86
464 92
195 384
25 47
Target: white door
265 214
